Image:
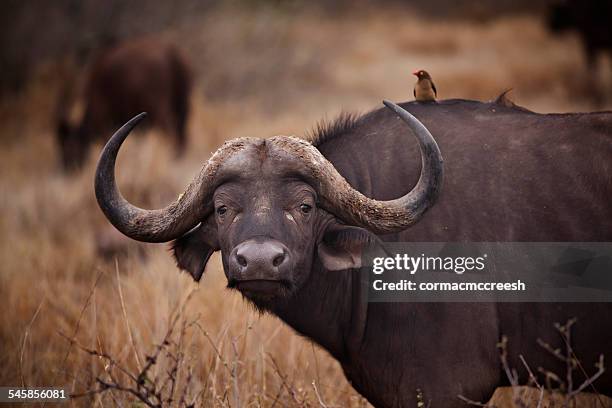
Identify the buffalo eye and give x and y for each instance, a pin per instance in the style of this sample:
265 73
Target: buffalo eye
221 210
305 208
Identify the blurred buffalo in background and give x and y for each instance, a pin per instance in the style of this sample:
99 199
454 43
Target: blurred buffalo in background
592 20
125 79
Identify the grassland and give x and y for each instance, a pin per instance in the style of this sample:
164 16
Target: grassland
259 72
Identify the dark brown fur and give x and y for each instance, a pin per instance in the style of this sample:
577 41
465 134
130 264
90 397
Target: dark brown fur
329 129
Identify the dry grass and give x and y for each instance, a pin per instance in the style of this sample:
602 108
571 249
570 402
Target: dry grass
260 73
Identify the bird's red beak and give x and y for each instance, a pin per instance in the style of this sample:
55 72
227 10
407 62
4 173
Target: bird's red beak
415 73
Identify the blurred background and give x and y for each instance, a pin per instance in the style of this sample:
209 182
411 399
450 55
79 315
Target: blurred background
256 68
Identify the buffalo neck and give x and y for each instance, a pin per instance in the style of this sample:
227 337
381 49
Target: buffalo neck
329 309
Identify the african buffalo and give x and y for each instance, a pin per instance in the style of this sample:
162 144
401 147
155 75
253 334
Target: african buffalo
285 213
135 76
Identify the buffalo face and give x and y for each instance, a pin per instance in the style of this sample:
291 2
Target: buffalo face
267 224
265 231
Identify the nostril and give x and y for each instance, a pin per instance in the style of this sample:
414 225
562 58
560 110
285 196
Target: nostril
278 259
241 260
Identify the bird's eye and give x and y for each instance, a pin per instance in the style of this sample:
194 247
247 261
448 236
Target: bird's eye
221 210
305 208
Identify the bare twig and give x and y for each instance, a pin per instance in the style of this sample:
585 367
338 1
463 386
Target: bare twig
556 352
575 361
600 370
549 377
101 355
533 378
566 333
571 362
503 356
283 378
163 391
472 402
510 373
316 363
321 403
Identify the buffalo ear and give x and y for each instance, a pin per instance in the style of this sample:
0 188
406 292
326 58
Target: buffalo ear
342 246
193 249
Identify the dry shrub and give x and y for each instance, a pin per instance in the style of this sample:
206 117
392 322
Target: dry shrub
503 398
557 389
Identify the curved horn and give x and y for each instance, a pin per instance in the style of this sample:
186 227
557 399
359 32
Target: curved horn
156 225
336 194
351 206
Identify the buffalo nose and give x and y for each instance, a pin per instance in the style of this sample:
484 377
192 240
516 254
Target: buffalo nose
260 260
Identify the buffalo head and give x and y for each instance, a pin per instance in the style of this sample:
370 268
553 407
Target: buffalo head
273 207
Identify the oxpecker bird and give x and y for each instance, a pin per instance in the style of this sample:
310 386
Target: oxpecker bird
424 90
